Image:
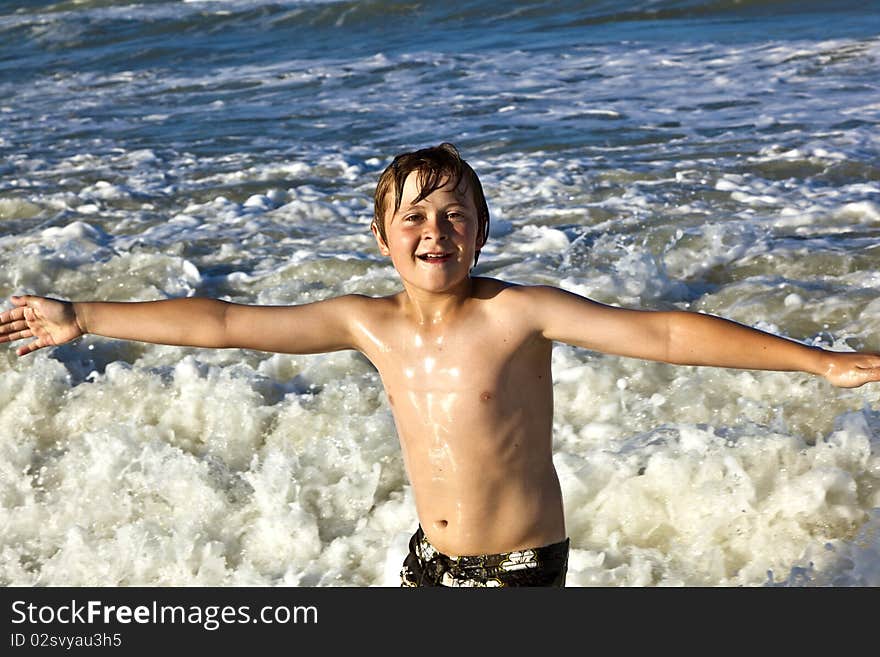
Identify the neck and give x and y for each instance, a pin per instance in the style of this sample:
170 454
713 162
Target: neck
434 307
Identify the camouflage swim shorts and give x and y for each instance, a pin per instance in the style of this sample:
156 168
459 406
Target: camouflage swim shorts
541 566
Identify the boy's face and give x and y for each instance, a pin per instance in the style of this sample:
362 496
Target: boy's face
431 243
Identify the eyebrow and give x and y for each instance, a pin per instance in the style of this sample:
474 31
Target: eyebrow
411 206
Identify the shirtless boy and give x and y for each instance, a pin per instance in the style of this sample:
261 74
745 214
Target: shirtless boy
465 362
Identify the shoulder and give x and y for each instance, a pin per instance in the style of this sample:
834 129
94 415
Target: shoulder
520 303
361 305
513 293
489 288
365 300
541 308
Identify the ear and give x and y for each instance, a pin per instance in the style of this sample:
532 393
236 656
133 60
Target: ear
383 247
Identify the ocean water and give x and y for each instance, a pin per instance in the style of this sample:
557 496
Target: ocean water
720 156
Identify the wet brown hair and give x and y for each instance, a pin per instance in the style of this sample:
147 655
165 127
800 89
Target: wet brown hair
435 167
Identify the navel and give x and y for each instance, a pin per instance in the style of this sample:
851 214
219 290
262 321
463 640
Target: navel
441 524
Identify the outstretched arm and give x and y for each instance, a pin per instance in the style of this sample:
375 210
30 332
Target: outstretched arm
309 328
688 338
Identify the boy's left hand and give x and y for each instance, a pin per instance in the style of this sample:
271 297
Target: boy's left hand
850 370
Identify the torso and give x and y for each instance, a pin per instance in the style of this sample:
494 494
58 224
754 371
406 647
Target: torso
473 406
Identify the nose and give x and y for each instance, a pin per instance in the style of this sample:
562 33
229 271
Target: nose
435 227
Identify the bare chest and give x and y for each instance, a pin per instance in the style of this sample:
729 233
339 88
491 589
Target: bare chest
461 359
464 374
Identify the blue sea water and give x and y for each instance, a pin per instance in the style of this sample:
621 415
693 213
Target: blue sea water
711 155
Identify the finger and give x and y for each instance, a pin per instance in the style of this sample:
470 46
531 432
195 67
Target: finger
12 337
24 350
20 300
10 327
11 315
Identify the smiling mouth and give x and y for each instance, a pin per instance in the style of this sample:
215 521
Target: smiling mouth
434 258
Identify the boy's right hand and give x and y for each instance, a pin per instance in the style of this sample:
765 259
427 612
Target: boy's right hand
50 321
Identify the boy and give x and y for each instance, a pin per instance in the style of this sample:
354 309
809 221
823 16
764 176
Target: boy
465 363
